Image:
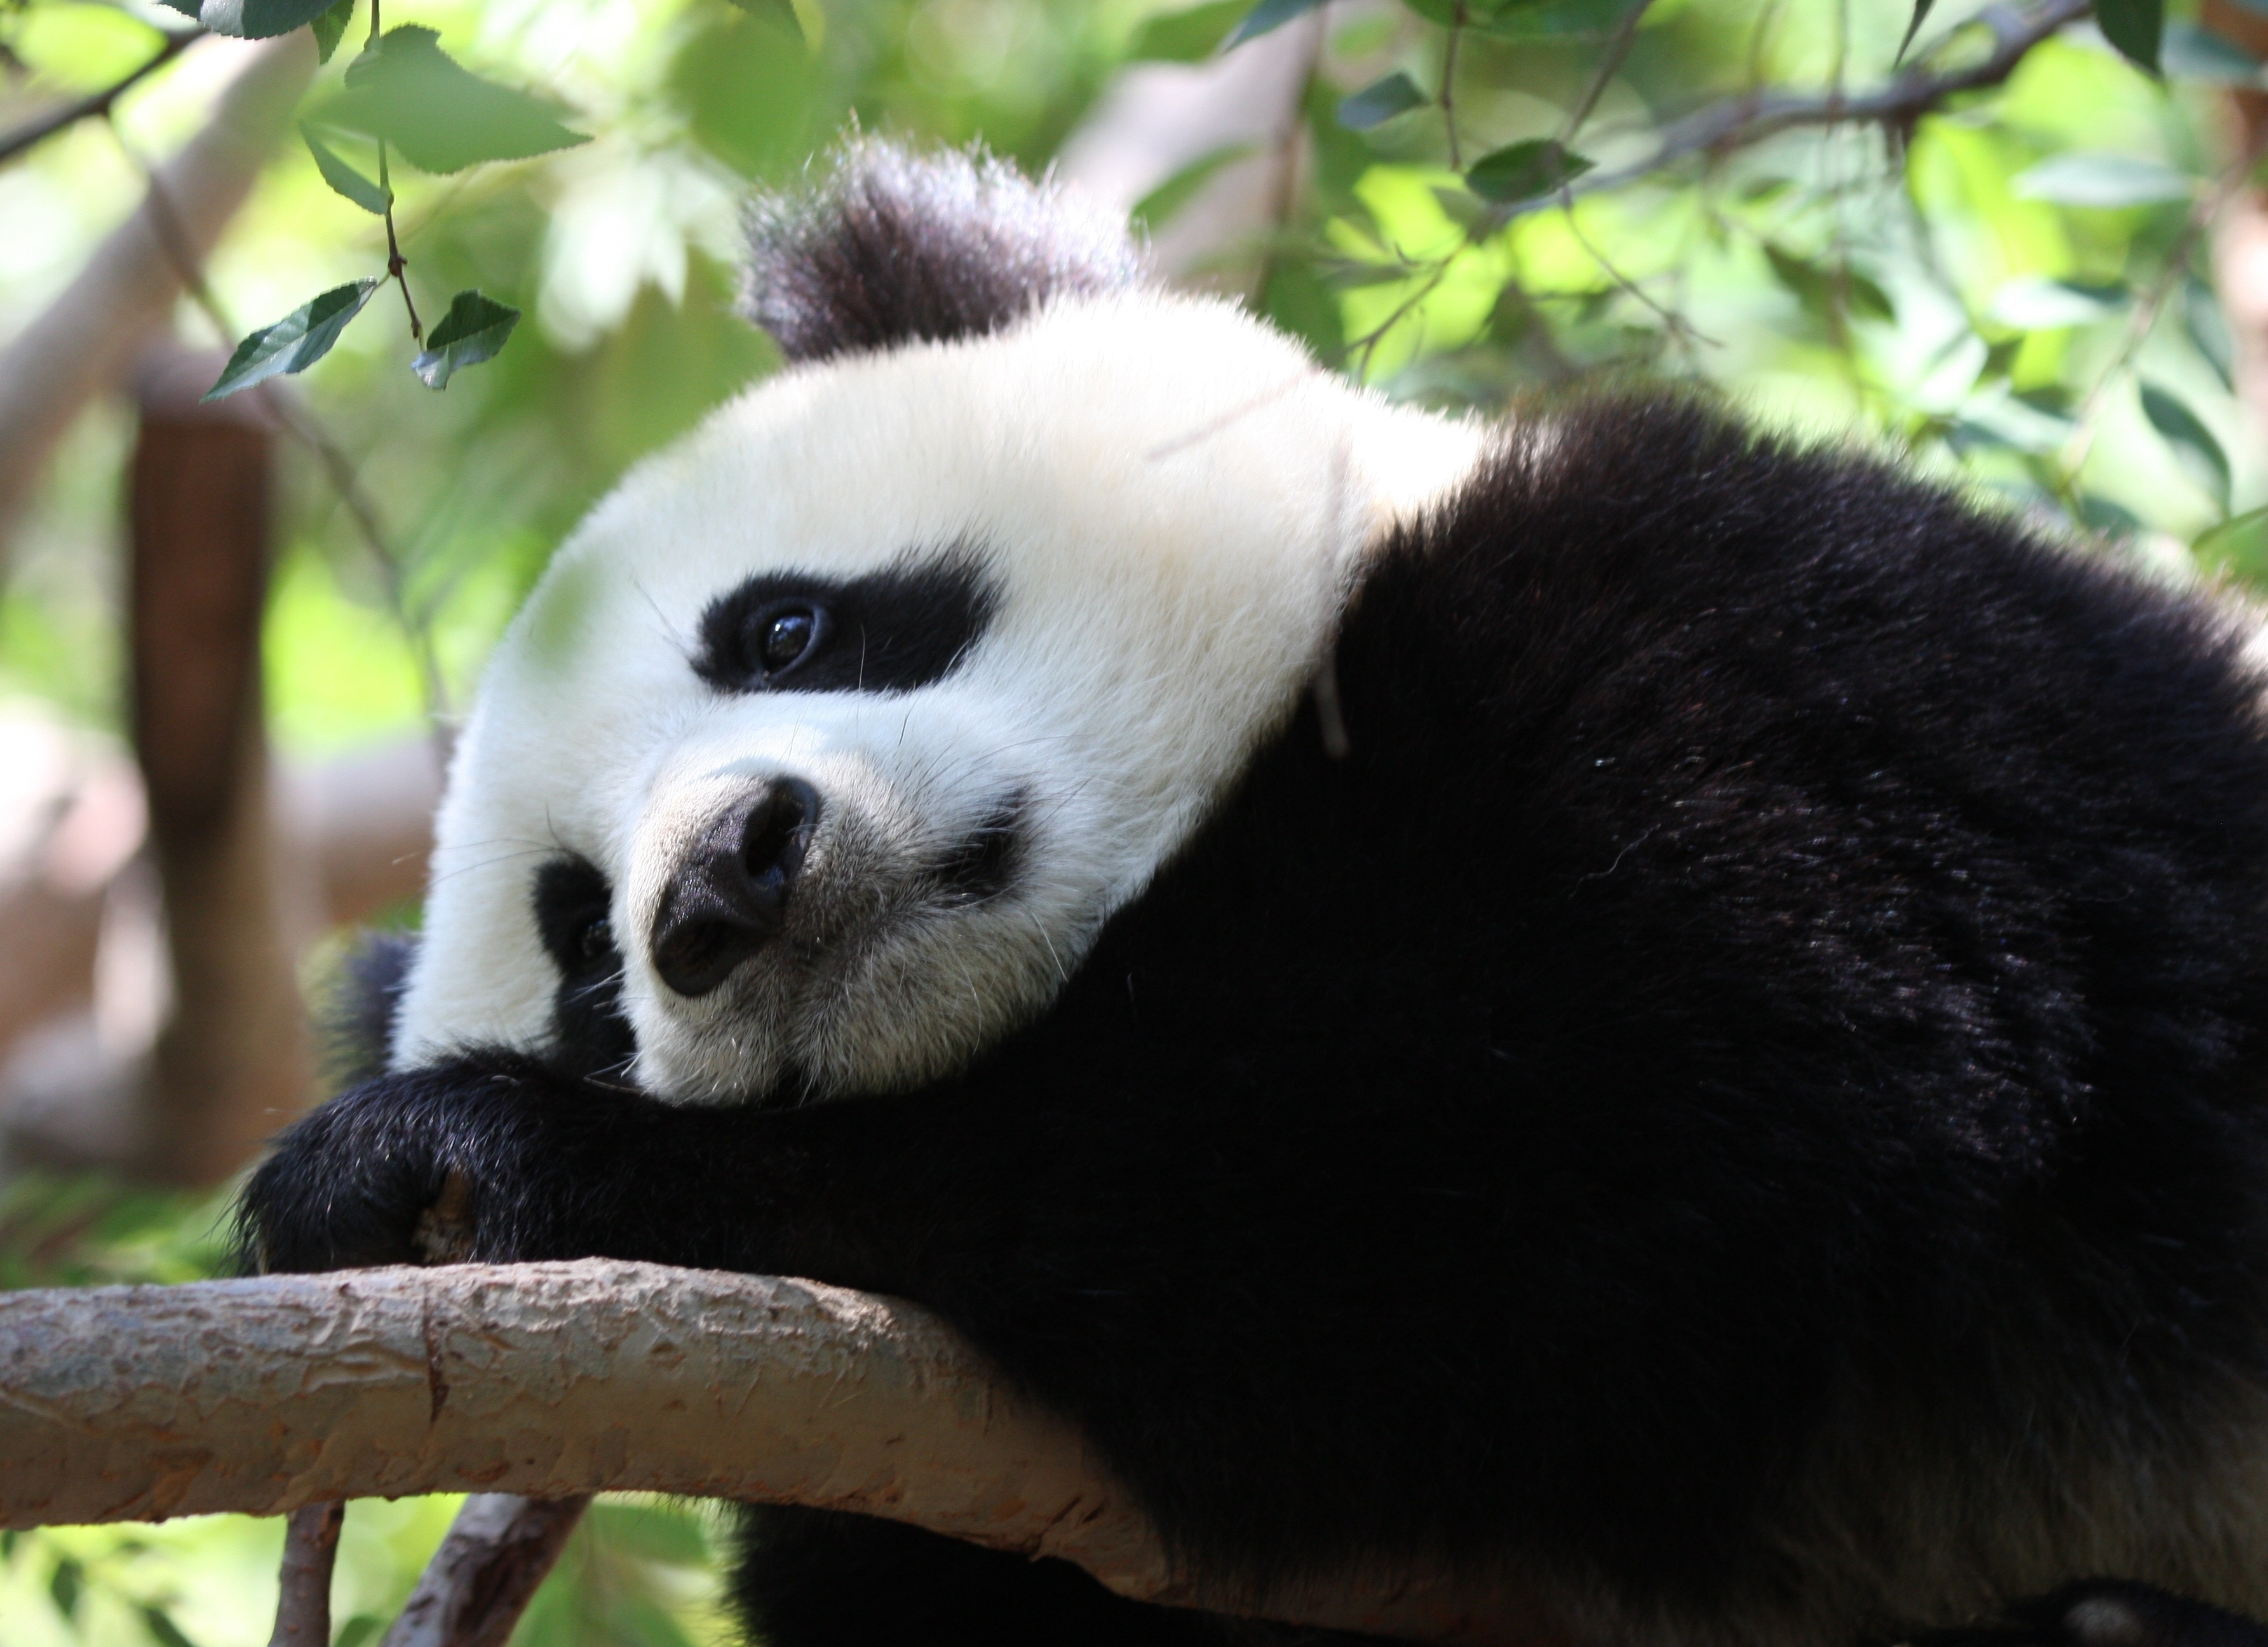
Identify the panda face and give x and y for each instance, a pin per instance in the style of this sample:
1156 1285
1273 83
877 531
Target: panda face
838 730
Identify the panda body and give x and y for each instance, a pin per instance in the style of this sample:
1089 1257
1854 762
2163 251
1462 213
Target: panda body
1670 1019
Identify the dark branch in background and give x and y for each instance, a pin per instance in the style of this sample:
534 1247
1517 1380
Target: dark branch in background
1448 98
1739 123
1742 121
95 104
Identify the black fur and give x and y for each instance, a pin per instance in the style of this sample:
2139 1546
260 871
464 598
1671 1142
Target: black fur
905 626
1779 974
894 249
591 1036
355 1023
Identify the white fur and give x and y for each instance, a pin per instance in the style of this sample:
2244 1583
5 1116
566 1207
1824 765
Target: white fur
1169 498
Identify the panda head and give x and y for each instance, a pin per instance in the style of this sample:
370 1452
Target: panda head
826 744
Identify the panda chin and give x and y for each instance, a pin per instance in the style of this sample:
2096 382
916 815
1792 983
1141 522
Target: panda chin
894 968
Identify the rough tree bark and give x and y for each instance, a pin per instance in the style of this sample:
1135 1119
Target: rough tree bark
557 1380
486 1571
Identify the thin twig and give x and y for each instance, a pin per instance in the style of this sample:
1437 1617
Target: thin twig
301 421
95 104
1742 121
397 266
1448 98
1610 64
303 1598
1286 163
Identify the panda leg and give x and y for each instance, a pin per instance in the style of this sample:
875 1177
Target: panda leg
820 1579
2111 1613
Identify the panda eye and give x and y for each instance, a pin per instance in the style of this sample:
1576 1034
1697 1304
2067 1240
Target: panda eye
784 637
596 940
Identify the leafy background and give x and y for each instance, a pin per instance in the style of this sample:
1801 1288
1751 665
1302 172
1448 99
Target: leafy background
2012 285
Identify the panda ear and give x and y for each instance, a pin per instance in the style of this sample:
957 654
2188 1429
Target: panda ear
896 248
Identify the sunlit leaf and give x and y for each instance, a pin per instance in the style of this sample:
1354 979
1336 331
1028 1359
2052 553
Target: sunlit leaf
343 179
1525 170
2033 304
296 341
252 19
2193 444
1158 207
1188 36
406 90
2135 27
1920 14
1381 101
330 28
1268 15
2238 548
472 331
2096 177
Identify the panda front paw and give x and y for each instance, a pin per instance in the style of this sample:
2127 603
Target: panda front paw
419 1167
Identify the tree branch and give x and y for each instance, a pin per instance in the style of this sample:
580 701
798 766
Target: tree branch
40 127
486 1571
1738 122
557 1380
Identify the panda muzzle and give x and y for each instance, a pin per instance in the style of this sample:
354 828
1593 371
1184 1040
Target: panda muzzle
730 897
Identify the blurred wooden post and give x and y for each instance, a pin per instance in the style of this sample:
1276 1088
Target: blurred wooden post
233 1061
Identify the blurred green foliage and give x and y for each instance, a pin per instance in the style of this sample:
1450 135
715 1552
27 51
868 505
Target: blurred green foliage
2013 284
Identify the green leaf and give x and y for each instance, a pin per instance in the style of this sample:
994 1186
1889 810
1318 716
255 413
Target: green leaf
1188 36
2193 52
2208 329
1530 19
776 11
162 1628
2135 27
2102 179
1821 290
2112 519
331 28
1157 207
343 179
472 331
296 341
65 1583
2200 455
1381 101
1268 15
2238 548
1525 170
252 19
1921 12
408 91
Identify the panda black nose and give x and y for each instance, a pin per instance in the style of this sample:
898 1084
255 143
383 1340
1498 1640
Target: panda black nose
731 894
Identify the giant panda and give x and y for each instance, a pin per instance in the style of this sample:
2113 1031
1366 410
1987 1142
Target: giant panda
1672 1016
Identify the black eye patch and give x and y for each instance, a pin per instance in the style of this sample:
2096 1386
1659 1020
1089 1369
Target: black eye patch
572 902
891 630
